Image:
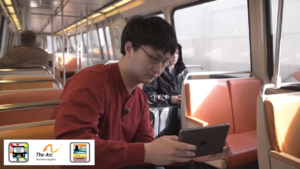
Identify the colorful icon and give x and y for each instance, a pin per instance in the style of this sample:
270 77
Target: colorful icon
18 152
80 152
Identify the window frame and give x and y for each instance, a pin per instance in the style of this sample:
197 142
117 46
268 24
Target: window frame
207 1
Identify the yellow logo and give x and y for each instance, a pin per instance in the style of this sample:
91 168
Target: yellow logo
50 145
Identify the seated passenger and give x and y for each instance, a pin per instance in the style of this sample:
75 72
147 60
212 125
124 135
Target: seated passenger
297 75
103 103
25 55
166 89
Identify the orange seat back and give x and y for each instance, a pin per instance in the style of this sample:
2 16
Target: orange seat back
30 85
29 96
243 94
25 116
209 100
70 62
283 117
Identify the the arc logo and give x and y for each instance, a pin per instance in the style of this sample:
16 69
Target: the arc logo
50 148
18 152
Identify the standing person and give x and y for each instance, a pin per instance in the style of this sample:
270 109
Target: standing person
28 54
103 103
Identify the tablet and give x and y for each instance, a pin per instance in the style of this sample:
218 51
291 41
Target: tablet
208 140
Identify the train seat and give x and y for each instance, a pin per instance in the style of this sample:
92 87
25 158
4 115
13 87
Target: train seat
29 85
26 112
36 130
70 64
25 96
213 102
282 122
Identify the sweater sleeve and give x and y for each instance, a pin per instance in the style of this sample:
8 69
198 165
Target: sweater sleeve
78 116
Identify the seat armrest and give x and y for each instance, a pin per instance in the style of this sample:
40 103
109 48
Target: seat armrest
286 158
196 121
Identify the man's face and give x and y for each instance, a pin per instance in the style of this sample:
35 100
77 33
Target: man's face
147 64
174 58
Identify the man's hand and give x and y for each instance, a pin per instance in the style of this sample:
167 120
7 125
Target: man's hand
176 99
167 150
226 153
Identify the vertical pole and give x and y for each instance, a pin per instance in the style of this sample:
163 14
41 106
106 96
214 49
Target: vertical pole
81 43
87 41
77 39
29 15
52 44
63 40
276 77
92 39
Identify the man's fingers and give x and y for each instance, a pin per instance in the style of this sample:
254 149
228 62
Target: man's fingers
185 146
184 154
226 143
226 149
173 138
181 159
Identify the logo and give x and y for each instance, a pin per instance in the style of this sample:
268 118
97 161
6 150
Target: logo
18 152
50 145
39 154
80 152
203 142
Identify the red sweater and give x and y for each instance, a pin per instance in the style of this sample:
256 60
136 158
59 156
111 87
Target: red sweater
92 106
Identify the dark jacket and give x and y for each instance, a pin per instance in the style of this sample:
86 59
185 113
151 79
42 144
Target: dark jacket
160 91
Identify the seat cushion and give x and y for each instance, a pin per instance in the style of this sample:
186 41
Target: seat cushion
243 94
209 100
244 148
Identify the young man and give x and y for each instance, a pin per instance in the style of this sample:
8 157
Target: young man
25 55
103 103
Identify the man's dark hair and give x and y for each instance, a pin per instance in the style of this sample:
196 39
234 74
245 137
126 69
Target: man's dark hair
153 31
28 37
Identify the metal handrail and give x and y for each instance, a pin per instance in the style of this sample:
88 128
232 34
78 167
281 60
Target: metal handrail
31 67
31 80
111 61
201 67
215 73
26 69
273 86
31 105
26 125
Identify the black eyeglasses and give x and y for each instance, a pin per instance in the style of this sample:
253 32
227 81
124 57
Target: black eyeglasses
156 61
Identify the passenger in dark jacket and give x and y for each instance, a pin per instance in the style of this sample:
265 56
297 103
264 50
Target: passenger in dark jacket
166 89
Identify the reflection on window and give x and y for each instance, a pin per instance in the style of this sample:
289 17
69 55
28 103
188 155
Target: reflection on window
102 41
73 44
290 38
95 44
109 41
215 35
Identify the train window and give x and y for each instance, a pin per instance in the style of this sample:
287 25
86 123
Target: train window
102 41
290 38
109 41
79 43
73 44
95 44
215 35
